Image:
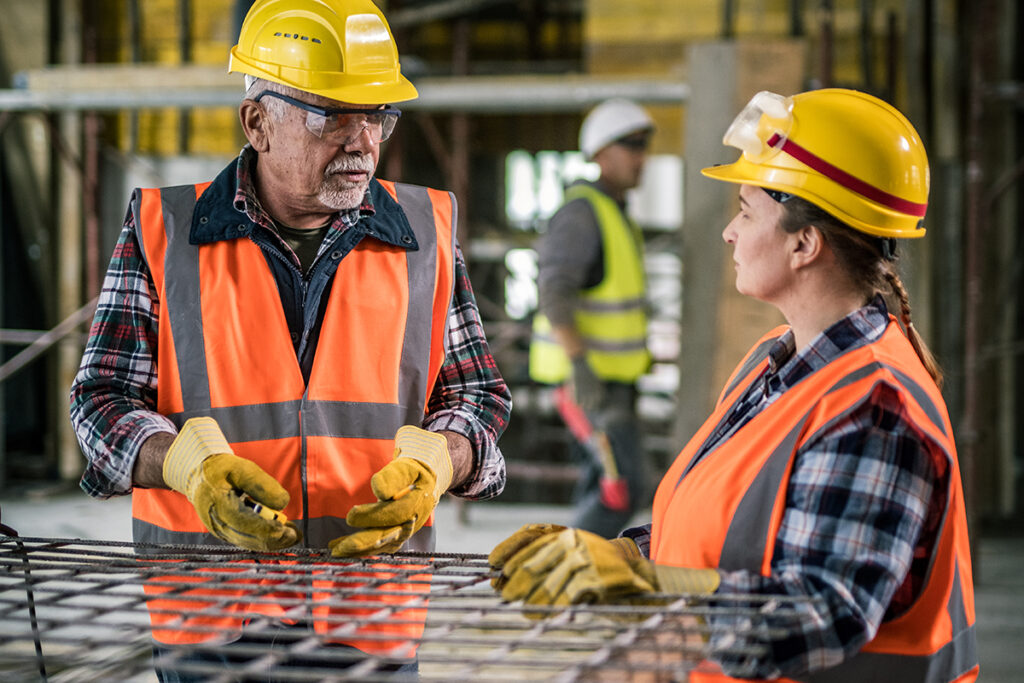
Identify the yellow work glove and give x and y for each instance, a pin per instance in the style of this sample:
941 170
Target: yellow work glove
236 500
503 552
407 489
569 567
572 566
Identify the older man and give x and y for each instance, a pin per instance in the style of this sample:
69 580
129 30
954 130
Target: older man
295 340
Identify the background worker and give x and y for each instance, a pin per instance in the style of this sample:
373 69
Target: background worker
828 468
296 333
591 330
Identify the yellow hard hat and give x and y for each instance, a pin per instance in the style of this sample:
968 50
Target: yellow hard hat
845 151
340 49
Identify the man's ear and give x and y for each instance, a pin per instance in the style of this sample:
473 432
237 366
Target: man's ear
808 244
255 124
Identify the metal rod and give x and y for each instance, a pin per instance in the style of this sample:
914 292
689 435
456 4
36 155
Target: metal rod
91 611
470 94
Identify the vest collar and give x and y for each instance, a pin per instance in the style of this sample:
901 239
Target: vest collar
215 217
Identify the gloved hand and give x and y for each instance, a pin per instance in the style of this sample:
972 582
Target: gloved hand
503 552
574 566
407 489
587 388
569 567
218 483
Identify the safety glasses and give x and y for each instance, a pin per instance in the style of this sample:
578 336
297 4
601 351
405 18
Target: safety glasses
343 126
761 128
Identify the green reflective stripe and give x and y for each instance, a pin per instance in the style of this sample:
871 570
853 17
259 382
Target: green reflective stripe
181 287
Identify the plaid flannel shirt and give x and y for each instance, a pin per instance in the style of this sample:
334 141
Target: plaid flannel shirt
113 397
863 508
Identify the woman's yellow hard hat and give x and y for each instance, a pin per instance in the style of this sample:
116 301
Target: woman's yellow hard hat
847 152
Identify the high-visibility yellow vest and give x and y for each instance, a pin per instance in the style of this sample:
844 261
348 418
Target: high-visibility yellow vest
610 317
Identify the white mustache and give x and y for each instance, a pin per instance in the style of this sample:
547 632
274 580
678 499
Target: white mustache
350 163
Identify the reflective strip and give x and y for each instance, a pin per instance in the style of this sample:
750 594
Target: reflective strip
254 422
413 380
759 355
262 421
181 284
321 530
601 306
745 541
599 344
747 536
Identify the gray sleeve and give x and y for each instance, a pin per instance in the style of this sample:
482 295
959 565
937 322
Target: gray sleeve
570 258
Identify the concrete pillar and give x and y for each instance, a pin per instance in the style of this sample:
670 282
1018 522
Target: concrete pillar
719 324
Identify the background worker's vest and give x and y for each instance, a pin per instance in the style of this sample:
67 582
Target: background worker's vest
725 510
225 351
611 317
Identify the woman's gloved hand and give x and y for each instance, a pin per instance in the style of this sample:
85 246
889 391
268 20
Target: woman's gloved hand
408 489
236 500
571 566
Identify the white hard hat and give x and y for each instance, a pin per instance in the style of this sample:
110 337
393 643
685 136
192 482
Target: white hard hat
609 121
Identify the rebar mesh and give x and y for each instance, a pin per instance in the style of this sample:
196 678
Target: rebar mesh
73 610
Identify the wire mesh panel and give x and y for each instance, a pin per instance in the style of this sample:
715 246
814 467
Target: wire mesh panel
73 610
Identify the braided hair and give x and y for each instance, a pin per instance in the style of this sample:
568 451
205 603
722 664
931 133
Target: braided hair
870 261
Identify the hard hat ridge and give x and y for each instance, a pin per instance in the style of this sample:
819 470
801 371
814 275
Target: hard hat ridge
339 49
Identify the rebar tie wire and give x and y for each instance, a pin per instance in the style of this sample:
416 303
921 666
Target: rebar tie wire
85 598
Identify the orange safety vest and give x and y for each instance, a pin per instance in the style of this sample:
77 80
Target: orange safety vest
225 351
725 510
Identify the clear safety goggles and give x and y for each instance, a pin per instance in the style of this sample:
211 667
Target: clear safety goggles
343 125
762 127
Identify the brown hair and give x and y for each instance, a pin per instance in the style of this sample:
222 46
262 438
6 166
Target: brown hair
861 255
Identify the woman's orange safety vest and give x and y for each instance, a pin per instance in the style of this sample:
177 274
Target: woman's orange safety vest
724 511
225 351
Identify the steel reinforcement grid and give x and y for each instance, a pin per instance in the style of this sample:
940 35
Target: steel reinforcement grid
74 610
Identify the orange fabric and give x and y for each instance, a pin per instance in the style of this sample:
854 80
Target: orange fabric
701 506
250 361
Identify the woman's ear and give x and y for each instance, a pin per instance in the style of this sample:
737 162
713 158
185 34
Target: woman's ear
808 245
255 124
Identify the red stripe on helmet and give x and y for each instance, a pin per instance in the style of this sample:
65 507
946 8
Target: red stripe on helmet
845 179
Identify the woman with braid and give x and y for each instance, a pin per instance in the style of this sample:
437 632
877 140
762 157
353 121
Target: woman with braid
827 470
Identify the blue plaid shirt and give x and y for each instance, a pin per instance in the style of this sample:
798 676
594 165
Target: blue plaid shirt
113 398
863 509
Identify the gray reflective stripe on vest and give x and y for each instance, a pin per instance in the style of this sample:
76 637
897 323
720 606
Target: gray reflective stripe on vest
747 539
759 355
327 528
948 663
318 418
747 536
326 418
422 263
182 293
593 306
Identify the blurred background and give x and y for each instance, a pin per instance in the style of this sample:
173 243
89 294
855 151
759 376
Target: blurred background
100 96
